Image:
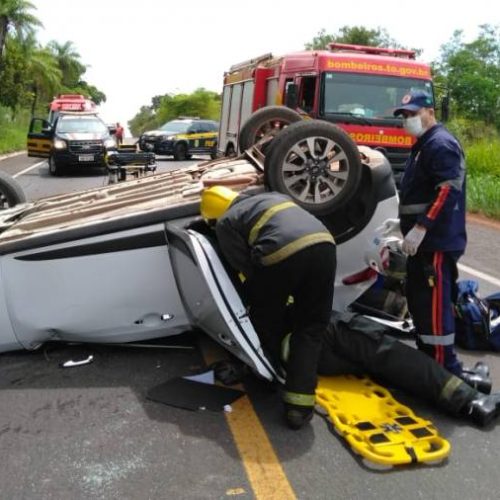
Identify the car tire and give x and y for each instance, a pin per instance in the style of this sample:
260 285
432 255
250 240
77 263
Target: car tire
230 150
271 119
11 192
322 180
180 151
54 168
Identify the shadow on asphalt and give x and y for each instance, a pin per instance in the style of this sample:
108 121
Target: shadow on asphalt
71 172
140 369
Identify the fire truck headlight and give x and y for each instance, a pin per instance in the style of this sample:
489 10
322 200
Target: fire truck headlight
110 143
60 144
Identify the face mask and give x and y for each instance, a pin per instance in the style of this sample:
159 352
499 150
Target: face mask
413 125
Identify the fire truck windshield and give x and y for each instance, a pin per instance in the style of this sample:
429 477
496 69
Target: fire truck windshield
367 96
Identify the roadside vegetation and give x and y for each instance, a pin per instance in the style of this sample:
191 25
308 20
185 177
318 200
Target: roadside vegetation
31 73
469 73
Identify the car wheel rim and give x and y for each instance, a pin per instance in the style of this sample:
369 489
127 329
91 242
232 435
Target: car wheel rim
315 170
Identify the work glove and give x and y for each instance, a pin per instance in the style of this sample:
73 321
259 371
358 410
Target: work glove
389 226
413 239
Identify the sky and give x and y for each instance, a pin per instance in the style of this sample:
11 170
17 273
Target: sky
138 49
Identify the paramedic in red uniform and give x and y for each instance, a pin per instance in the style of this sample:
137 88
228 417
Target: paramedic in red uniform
432 220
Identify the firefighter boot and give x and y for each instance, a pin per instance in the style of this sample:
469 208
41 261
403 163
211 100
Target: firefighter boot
297 416
478 377
484 409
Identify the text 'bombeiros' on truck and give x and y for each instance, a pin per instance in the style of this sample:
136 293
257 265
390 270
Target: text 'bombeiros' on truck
355 87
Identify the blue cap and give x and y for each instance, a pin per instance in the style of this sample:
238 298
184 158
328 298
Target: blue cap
415 100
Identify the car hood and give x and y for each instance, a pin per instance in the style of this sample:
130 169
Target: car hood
156 133
81 136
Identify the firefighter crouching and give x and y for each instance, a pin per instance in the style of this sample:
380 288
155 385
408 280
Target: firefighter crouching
283 251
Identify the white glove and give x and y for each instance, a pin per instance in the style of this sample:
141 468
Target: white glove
413 239
389 226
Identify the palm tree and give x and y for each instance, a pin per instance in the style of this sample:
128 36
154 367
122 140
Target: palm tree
14 14
43 72
69 62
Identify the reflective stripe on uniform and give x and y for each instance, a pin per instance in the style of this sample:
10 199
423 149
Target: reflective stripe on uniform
296 398
285 347
416 209
438 339
295 246
450 387
270 212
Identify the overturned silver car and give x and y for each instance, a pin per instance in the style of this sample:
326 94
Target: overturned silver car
134 261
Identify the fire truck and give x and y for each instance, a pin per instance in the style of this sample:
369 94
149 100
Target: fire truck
355 87
69 102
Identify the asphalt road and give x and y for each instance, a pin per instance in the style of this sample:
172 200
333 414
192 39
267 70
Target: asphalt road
89 432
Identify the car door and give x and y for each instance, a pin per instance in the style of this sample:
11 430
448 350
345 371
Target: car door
211 300
208 136
40 136
195 143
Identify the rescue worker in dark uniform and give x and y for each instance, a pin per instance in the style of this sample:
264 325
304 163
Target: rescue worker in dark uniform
432 221
283 251
356 345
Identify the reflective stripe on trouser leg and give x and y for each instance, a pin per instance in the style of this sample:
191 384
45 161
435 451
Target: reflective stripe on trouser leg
431 306
298 399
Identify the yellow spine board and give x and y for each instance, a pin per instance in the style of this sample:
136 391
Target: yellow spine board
376 426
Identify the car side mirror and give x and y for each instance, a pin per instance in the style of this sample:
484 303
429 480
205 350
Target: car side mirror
292 96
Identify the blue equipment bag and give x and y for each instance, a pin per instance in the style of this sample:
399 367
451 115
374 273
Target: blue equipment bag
477 320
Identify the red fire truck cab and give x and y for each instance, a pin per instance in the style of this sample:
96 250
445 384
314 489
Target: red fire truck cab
69 102
356 87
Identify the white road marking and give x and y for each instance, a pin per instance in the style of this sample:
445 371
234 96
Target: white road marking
479 274
29 168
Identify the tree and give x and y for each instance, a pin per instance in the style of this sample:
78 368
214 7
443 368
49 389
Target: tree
43 74
69 63
202 103
142 121
15 15
91 91
471 72
13 93
356 35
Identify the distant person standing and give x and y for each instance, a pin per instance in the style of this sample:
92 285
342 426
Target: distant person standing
119 134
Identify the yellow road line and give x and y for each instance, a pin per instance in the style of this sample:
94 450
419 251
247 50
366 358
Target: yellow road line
264 470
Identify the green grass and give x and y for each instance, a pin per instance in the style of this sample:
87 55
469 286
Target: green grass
483 195
483 177
13 131
483 158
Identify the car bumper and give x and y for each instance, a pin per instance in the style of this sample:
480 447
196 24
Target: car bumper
69 159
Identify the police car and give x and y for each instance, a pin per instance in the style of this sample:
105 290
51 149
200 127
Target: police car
182 138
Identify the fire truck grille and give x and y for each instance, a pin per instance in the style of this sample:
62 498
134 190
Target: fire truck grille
83 147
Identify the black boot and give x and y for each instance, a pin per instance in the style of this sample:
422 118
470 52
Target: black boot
478 377
298 416
484 409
